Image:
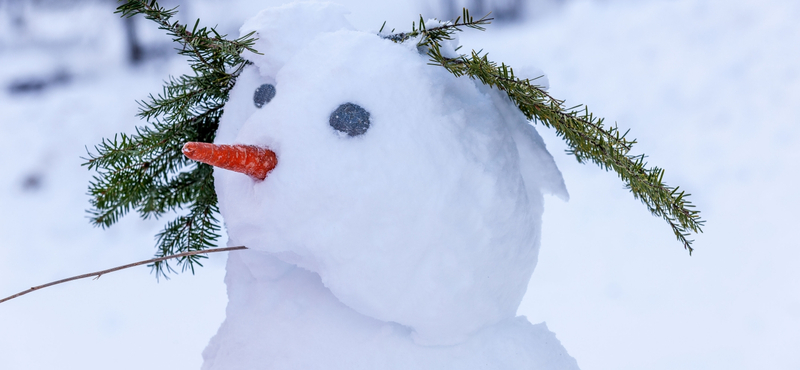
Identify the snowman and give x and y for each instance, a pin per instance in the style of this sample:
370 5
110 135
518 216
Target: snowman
392 212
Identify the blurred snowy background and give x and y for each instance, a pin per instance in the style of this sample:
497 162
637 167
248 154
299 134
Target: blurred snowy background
709 87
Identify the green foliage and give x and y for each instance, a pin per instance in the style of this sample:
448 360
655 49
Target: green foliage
146 171
585 134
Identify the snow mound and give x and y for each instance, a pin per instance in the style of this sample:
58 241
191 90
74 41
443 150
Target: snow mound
282 317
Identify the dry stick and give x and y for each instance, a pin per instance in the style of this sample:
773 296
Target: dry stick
101 273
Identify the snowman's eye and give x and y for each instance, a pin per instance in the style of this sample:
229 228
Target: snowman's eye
263 95
350 119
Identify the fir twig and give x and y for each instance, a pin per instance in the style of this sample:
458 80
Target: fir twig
588 139
441 32
98 274
146 171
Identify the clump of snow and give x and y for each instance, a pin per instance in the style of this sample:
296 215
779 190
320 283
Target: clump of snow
425 227
282 30
281 316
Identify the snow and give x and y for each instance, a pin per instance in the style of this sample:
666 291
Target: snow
282 30
282 316
708 88
424 220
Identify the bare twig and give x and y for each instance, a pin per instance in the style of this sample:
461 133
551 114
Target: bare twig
103 272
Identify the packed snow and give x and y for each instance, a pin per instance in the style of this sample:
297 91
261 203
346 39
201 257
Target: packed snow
708 88
282 316
421 221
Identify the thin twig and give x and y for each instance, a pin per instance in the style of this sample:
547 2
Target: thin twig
98 274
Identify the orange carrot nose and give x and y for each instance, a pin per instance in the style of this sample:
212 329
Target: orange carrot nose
247 159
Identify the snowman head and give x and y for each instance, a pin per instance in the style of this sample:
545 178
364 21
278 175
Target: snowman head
415 195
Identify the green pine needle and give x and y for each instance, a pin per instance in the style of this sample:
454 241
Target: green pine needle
147 171
588 139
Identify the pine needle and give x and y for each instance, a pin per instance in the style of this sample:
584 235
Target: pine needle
147 171
586 135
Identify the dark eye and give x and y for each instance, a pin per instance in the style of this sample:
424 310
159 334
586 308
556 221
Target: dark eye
350 119
263 95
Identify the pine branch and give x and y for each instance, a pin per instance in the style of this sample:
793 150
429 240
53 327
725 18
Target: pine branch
442 32
146 171
98 274
588 139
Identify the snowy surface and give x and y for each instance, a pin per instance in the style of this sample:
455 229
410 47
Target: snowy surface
708 87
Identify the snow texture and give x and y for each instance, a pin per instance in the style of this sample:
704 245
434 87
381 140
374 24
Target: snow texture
281 316
412 242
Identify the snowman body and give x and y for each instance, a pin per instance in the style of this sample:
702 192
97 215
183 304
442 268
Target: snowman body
401 225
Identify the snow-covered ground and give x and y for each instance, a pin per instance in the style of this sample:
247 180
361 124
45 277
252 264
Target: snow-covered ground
708 87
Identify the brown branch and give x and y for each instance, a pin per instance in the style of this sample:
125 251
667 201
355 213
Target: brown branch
98 274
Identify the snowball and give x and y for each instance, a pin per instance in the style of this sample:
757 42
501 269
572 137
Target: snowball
427 220
282 317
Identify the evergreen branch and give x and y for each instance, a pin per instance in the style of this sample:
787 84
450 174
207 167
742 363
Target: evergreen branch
200 42
146 171
588 139
98 274
442 32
